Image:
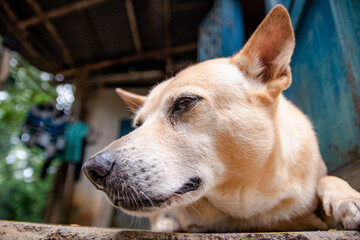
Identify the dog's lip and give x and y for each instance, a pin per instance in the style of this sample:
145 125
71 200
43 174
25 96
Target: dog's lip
143 204
139 204
192 185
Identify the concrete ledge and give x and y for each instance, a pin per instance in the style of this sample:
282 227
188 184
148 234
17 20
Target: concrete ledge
23 230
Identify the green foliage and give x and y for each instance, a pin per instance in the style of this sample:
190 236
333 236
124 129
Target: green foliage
23 194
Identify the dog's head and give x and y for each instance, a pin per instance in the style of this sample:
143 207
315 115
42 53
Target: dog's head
205 131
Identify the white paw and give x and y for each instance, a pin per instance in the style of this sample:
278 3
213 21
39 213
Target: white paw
165 223
345 211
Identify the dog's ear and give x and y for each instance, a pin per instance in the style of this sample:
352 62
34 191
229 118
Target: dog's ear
134 101
266 56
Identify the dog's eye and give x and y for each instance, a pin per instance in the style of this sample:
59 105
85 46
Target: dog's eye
184 103
137 124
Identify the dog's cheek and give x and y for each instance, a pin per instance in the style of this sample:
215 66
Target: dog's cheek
246 141
198 157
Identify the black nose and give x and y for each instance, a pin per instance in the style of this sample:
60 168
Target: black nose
98 168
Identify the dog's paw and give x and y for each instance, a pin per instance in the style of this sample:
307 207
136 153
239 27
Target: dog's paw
164 222
340 201
345 211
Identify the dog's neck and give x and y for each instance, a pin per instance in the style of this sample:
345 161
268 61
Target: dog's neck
261 179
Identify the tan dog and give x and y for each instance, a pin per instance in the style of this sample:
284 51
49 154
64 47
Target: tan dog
221 146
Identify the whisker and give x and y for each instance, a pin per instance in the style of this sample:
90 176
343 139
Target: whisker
186 212
151 202
137 195
196 210
133 198
236 173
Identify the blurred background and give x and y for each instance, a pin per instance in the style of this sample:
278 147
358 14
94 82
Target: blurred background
61 60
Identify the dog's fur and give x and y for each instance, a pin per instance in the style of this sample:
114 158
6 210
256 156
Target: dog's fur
220 146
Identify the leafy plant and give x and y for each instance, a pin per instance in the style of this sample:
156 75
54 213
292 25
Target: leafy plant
23 194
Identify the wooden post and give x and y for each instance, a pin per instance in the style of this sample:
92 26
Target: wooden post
80 108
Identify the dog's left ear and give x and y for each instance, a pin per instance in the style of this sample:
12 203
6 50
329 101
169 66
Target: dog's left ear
134 101
266 56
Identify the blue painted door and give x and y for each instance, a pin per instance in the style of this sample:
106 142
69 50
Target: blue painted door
326 73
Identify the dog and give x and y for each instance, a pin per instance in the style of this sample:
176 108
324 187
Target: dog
218 148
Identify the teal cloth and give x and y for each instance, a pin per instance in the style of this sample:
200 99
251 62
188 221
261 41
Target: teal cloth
75 135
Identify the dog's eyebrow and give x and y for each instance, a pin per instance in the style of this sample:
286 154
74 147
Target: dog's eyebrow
184 95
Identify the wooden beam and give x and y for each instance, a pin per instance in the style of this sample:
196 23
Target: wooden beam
54 33
140 78
133 58
191 5
167 19
11 24
9 11
133 25
133 79
126 77
20 36
60 12
15 20
93 38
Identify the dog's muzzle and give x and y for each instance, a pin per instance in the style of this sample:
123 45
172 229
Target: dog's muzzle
114 178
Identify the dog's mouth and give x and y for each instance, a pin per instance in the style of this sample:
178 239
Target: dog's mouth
134 200
192 185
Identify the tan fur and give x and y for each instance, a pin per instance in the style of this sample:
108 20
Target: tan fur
256 154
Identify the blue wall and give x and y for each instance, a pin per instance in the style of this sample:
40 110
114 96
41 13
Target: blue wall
221 34
326 72
325 65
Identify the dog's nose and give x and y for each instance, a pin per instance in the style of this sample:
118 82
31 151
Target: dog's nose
98 168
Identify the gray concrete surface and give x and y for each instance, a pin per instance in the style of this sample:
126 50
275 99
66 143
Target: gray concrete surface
23 230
